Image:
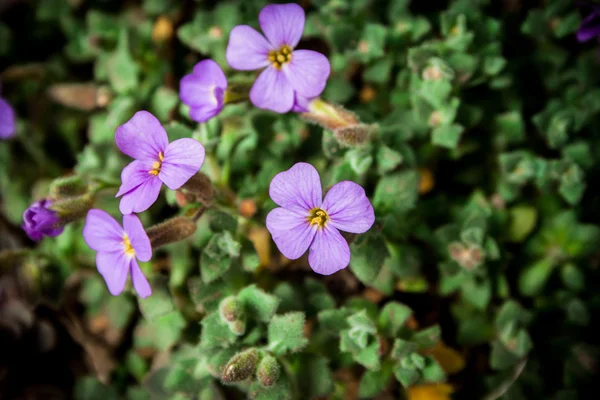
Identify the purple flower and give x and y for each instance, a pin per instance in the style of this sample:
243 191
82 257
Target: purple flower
203 90
39 221
305 221
7 120
590 27
156 161
288 71
118 248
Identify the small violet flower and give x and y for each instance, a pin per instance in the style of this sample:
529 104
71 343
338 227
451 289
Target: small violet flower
7 119
39 221
117 250
203 90
305 221
590 27
156 161
288 72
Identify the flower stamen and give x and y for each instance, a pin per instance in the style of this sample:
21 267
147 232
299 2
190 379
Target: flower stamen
157 164
318 217
279 57
127 247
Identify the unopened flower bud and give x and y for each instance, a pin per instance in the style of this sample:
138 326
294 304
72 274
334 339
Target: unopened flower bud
199 188
170 231
329 116
432 73
80 96
268 371
72 208
353 135
240 367
231 309
68 186
466 257
238 327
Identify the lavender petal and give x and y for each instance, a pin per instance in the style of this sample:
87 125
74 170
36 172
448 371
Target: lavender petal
183 159
102 232
298 188
291 232
307 72
7 120
140 283
137 237
282 24
142 197
247 49
114 267
272 91
329 251
349 208
142 137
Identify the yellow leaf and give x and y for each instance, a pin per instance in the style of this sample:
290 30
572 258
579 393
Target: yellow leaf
449 359
432 391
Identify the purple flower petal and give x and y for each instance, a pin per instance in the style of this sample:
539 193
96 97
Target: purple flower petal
329 251
590 27
142 137
247 49
349 208
140 283
39 221
137 237
102 232
282 24
7 120
113 267
298 188
142 197
203 90
300 103
272 91
291 232
133 175
183 159
307 72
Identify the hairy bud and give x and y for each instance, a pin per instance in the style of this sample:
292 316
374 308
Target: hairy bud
466 257
68 186
170 231
72 208
81 96
330 116
240 367
230 309
238 327
268 371
199 188
354 135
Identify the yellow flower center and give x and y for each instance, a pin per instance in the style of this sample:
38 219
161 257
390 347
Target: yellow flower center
157 164
127 247
318 217
279 57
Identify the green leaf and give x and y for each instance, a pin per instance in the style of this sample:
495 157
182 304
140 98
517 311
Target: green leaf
369 356
89 388
522 222
286 333
361 328
387 160
163 102
215 332
397 192
403 348
314 376
533 278
392 317
280 391
259 305
335 320
447 135
368 256
123 71
428 337
406 376
217 256
374 382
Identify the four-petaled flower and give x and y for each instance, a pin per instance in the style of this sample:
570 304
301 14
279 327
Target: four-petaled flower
156 161
203 90
117 250
39 220
7 119
590 27
305 221
288 71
